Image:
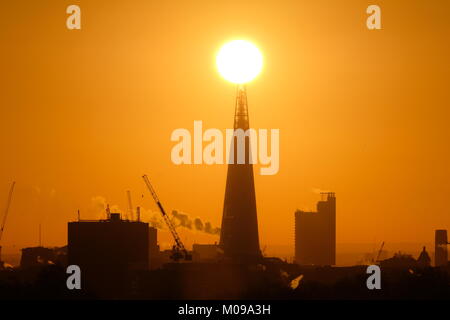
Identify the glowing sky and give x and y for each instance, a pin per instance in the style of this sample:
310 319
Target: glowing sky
362 113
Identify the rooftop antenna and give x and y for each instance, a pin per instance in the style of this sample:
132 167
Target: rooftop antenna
130 205
138 213
40 236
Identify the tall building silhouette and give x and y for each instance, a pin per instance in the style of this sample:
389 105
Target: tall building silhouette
107 251
239 235
315 233
440 249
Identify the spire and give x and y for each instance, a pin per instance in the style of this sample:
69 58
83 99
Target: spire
241 109
424 259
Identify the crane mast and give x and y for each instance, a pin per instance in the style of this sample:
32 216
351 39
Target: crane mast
5 215
8 203
179 248
379 252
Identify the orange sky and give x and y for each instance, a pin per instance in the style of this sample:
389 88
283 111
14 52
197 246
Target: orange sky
362 113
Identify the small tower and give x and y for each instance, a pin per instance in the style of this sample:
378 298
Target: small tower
424 259
440 248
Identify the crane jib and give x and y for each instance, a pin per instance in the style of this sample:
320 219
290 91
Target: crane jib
161 208
179 246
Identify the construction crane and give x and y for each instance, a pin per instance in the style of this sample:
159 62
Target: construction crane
178 250
5 215
130 205
379 252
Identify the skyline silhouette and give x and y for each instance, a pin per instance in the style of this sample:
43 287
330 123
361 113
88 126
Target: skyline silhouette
362 113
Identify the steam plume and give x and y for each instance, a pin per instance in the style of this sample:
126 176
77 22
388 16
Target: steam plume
184 220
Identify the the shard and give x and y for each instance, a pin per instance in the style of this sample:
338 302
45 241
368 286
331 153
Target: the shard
239 235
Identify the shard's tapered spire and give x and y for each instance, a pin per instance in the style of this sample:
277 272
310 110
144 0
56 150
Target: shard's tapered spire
239 236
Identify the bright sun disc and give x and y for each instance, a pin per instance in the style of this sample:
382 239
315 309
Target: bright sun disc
239 61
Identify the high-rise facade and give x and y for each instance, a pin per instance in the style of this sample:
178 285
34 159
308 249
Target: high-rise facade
108 251
239 235
315 233
440 249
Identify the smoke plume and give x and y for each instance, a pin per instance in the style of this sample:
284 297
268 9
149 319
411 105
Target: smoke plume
98 207
153 218
195 224
319 191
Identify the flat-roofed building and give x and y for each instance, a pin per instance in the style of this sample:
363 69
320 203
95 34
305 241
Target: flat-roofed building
315 233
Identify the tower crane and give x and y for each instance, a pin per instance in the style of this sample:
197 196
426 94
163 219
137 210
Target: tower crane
178 250
5 215
379 252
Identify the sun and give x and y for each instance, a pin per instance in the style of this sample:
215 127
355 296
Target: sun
239 61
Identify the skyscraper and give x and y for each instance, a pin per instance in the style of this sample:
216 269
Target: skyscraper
315 233
239 235
440 249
